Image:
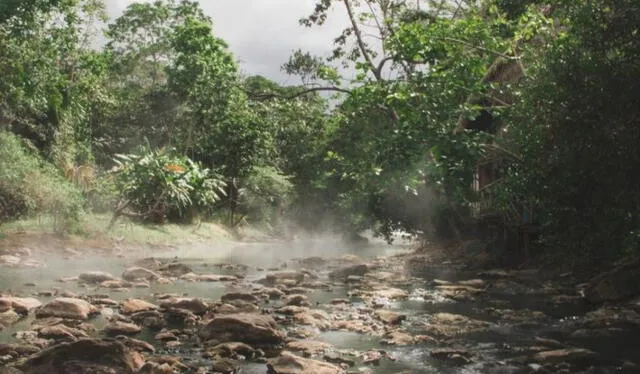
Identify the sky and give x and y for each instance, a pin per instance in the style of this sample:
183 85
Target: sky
263 33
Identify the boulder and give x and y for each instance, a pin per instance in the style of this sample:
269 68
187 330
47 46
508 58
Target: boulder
95 277
451 356
253 329
344 273
192 304
284 277
9 260
225 366
309 348
6 304
617 284
136 273
389 317
288 363
18 350
84 356
121 328
131 306
570 355
64 307
235 296
25 305
8 318
447 325
61 332
175 269
297 300
233 350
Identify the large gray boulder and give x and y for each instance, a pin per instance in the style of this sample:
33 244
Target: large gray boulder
254 329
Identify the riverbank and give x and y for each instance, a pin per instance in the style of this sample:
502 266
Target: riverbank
125 237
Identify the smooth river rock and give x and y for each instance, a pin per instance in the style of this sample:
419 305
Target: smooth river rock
288 363
64 307
251 328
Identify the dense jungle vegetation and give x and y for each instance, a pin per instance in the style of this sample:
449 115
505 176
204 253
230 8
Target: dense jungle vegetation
147 116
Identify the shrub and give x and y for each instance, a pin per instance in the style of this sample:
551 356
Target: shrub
30 186
158 185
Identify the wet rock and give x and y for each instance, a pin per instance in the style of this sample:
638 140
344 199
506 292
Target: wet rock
343 273
339 301
19 304
617 284
216 278
9 260
121 328
389 317
312 262
61 332
108 302
95 277
309 348
5 304
239 296
85 356
452 356
252 329
174 269
288 363
64 307
151 319
182 317
285 277
18 350
192 304
521 317
398 338
166 336
241 306
133 274
115 284
155 368
234 350
570 355
271 293
297 300
389 293
316 318
374 357
292 310
358 326
135 344
225 366
449 325
8 318
338 359
131 306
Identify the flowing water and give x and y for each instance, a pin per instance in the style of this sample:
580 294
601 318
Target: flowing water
493 349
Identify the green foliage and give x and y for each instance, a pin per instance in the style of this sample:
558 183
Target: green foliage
29 187
159 186
577 130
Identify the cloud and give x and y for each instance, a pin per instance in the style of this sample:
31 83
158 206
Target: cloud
263 33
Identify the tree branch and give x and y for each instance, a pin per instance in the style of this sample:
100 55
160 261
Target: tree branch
360 41
269 96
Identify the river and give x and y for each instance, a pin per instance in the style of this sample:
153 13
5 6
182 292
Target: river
462 321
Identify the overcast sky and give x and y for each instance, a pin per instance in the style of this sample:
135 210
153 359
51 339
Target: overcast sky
263 33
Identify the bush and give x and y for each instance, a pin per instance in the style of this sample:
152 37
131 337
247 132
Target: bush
264 196
30 186
159 186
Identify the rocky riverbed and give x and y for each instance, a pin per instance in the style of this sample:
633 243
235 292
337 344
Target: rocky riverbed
254 309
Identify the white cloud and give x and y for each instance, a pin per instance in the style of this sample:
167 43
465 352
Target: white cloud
262 33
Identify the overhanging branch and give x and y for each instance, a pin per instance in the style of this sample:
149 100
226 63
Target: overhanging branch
269 96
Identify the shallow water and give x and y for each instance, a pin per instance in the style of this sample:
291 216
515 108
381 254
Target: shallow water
490 348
